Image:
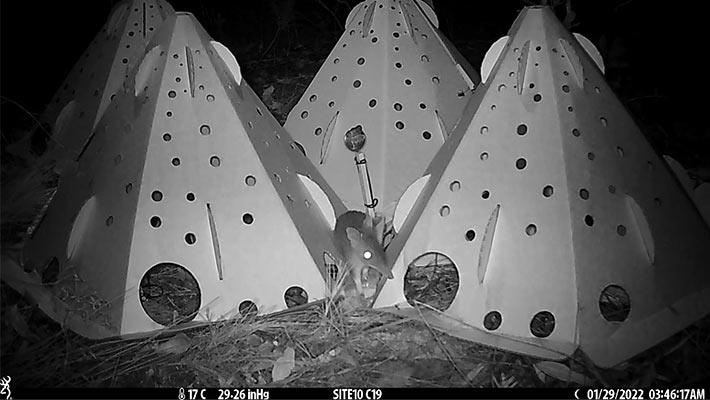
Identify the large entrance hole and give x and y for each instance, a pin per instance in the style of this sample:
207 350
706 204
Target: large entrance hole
169 294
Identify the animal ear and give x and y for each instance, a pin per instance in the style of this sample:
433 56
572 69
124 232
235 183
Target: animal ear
353 234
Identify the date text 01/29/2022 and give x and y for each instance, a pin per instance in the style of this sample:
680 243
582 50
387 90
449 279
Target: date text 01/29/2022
640 394
357 394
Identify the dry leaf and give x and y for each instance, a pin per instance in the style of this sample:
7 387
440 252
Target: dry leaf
284 365
177 344
267 93
563 373
540 375
254 340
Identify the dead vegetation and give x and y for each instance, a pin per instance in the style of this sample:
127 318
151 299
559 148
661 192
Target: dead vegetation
309 348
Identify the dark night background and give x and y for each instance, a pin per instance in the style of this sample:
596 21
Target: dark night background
656 64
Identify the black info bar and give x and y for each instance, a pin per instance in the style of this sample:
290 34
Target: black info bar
356 393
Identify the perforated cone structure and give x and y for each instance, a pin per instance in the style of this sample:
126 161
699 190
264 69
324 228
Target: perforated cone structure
565 228
187 176
98 75
392 73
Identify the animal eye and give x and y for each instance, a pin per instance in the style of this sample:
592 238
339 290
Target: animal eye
367 254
